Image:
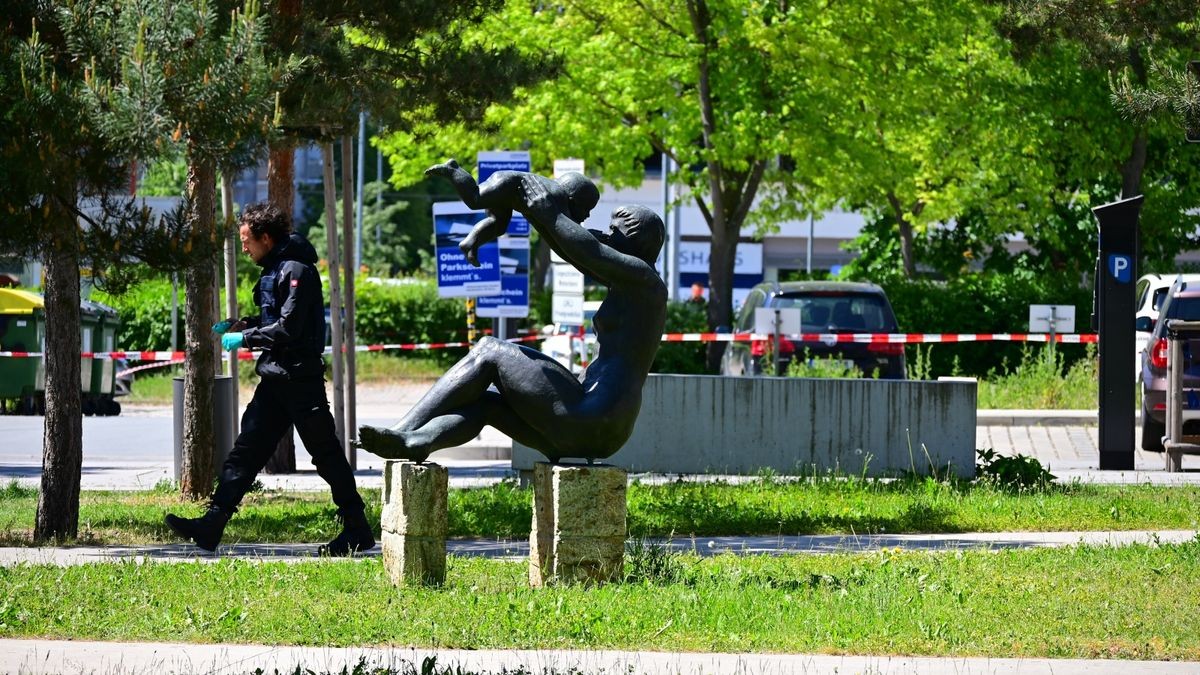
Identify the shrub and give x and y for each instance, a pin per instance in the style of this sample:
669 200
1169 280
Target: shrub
409 312
682 357
145 312
1019 472
982 303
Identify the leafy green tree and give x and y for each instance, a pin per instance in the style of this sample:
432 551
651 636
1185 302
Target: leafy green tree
215 85
690 78
1115 45
76 88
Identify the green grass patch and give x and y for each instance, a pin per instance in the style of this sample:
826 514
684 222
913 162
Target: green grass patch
153 387
1077 602
768 506
1040 381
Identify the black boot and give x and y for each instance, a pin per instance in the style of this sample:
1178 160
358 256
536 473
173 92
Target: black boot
206 530
356 536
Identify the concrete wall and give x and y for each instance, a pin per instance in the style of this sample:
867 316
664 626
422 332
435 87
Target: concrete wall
739 425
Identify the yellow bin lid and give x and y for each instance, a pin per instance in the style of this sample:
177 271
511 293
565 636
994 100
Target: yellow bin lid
13 301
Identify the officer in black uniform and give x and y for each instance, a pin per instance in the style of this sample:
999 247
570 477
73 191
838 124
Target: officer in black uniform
290 331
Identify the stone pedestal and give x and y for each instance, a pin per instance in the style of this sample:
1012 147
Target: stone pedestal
414 522
578 524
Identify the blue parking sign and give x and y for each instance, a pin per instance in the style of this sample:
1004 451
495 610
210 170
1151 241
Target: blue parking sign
1120 267
456 276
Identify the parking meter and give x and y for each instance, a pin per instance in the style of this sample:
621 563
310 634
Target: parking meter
1115 308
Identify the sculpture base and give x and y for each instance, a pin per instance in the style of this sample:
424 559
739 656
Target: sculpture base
578 531
414 522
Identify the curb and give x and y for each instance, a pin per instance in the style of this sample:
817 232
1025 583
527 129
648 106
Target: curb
1038 418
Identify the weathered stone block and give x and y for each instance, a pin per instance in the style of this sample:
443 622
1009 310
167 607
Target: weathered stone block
414 499
414 560
414 522
578 532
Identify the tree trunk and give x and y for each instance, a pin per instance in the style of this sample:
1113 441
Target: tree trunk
1135 164
348 303
281 191
721 262
335 292
906 236
62 445
197 474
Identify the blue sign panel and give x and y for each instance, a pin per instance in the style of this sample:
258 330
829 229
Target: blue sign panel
513 300
456 276
489 163
1120 267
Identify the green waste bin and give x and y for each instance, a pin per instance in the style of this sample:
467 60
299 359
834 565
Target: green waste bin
89 327
104 339
22 329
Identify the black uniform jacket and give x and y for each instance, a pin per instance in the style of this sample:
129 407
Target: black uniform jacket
290 327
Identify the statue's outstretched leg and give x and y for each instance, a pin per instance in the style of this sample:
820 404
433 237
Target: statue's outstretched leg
450 430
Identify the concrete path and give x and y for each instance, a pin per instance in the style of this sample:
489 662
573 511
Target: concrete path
135 450
517 549
51 656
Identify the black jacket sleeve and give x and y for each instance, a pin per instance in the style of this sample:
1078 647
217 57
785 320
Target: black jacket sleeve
297 291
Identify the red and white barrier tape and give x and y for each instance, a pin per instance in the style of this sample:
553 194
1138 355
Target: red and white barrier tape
827 338
884 338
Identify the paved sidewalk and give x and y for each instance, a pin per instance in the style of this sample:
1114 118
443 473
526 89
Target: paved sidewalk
51 656
517 549
1063 440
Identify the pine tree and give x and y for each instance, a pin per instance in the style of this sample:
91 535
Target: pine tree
76 88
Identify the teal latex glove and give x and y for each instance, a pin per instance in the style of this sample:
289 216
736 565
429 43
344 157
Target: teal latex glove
222 326
231 341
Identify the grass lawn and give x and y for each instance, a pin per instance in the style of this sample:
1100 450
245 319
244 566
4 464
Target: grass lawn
768 506
1133 602
153 387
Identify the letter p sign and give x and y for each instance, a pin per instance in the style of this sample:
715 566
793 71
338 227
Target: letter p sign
1120 267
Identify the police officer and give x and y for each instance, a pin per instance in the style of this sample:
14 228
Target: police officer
290 331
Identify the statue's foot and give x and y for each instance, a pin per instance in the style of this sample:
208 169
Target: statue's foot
388 444
468 247
446 169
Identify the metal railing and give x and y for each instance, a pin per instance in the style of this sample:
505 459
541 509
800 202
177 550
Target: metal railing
1174 442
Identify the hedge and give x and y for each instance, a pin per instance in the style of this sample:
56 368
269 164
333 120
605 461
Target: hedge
983 303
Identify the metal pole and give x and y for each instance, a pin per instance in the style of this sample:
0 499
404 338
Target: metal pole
379 195
809 246
358 184
775 349
231 303
668 263
672 240
335 290
470 322
351 270
174 311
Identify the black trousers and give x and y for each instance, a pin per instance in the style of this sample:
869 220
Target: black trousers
275 405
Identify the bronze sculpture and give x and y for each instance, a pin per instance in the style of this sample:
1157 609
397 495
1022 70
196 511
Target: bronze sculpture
531 397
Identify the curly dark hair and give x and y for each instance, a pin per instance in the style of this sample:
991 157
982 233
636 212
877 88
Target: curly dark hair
266 218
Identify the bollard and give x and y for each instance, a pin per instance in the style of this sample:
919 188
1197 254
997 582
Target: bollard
223 418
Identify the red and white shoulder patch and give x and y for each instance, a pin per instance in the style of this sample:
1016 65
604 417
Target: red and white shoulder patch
295 283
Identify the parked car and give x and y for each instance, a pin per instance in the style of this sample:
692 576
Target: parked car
1151 289
825 307
561 338
1181 301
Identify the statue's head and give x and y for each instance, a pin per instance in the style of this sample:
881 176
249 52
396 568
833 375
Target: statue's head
582 195
636 231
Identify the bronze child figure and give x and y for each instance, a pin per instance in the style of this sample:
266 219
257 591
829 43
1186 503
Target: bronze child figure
572 194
